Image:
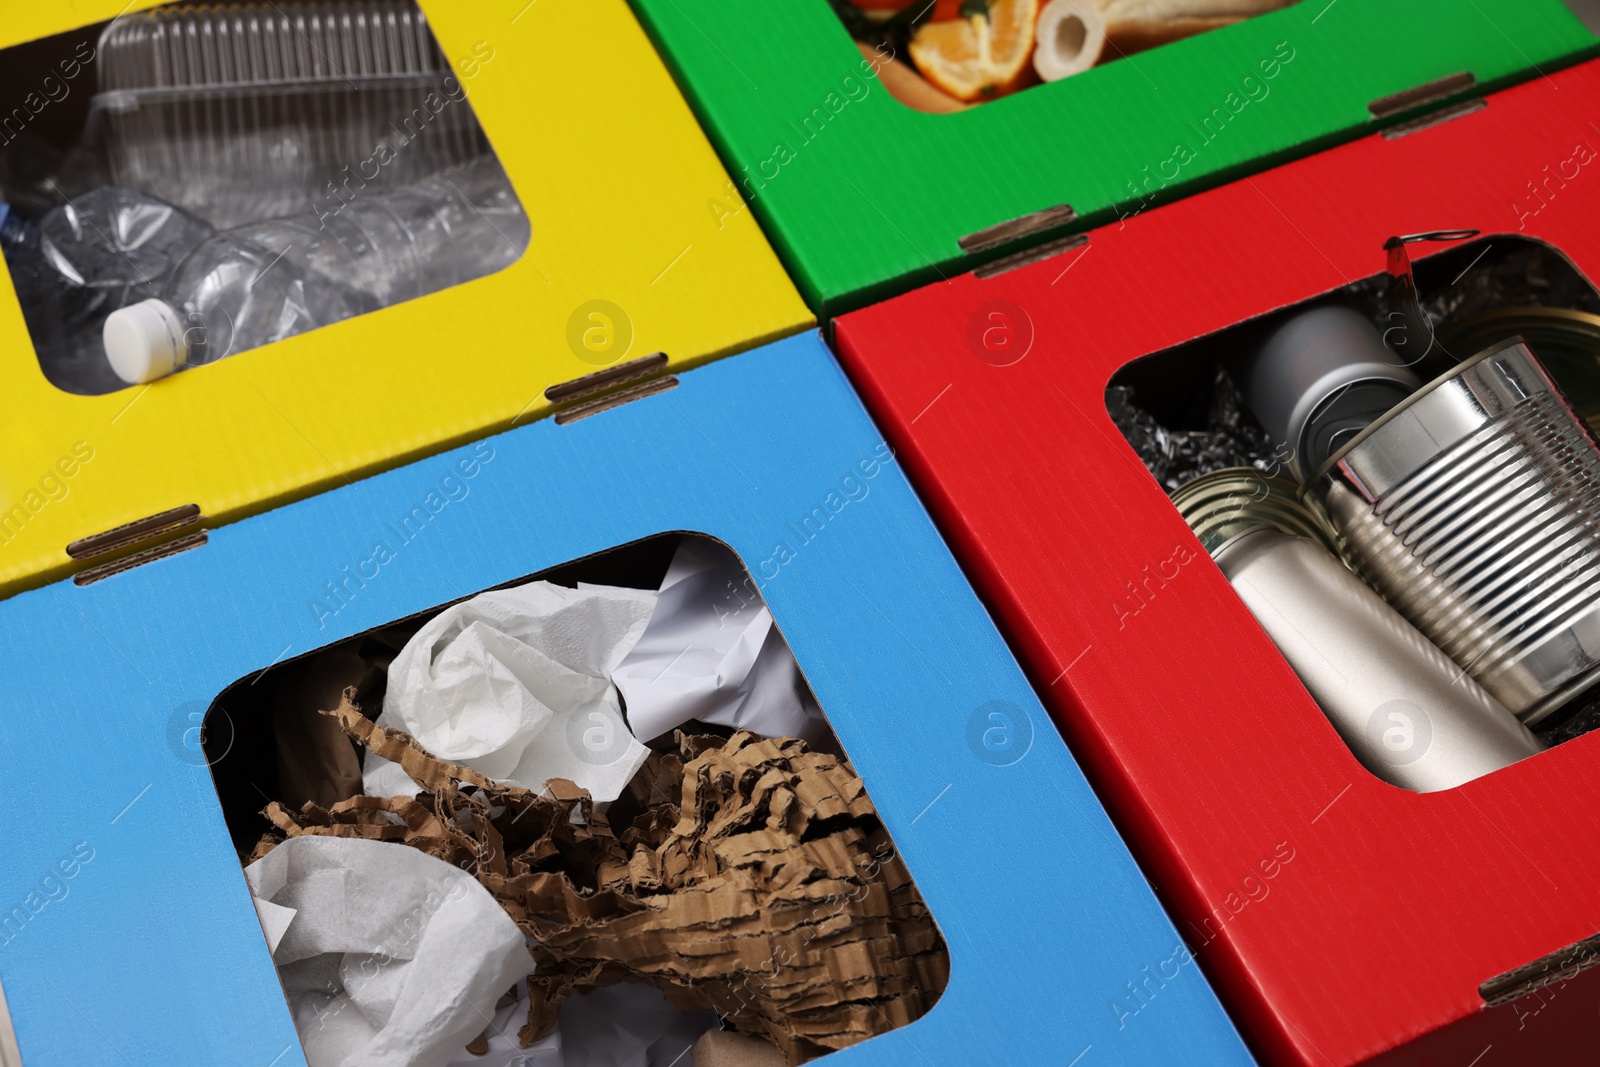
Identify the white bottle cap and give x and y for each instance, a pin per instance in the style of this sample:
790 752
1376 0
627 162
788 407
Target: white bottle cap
144 341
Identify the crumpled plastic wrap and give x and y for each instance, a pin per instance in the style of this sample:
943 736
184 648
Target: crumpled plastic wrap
1515 274
516 684
388 957
755 880
1232 437
1563 726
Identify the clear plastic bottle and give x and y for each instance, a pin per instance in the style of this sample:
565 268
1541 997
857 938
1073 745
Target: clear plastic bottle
270 280
80 261
237 295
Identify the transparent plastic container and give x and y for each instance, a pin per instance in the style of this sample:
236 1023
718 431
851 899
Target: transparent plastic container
266 281
239 112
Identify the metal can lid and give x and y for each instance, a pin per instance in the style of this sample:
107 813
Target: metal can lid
1228 503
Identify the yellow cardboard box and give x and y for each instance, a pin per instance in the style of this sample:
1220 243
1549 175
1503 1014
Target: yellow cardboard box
628 205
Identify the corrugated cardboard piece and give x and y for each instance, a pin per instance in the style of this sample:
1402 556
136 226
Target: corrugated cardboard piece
756 881
615 178
1045 914
865 197
1419 915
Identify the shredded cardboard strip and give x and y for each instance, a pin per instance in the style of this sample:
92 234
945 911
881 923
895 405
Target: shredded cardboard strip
755 880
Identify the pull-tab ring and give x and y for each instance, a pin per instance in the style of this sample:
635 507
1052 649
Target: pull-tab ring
1411 331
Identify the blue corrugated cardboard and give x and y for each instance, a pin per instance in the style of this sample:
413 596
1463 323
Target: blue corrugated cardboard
127 933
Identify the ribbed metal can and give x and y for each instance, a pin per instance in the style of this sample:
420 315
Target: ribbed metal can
1474 508
1566 342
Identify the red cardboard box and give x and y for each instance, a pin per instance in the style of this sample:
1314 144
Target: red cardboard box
1344 919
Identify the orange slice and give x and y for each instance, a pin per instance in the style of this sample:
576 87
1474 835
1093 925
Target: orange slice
978 57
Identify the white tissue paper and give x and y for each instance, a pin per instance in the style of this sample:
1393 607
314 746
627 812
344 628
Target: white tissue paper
712 653
274 919
392 958
617 1026
516 684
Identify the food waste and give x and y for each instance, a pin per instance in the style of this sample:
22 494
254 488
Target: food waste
947 55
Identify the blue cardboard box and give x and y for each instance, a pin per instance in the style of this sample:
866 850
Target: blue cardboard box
127 933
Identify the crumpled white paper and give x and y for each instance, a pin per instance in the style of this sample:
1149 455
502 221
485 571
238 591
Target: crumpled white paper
275 919
712 653
392 958
516 684
617 1026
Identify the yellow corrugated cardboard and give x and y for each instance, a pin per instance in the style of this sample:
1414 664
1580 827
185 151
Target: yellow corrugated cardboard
628 205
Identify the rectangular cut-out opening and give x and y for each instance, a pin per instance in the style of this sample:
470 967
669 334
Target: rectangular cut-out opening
1400 479
944 56
611 774
192 181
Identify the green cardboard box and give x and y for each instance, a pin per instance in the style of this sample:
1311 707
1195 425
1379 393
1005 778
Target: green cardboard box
866 198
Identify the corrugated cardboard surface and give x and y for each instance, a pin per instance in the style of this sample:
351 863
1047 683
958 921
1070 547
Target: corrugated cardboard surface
1202 740
871 197
156 953
622 191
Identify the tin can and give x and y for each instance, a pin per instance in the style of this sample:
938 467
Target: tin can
1223 504
1319 378
1409 714
1565 341
1474 508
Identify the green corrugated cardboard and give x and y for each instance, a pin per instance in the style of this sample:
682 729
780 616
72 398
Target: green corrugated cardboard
865 197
